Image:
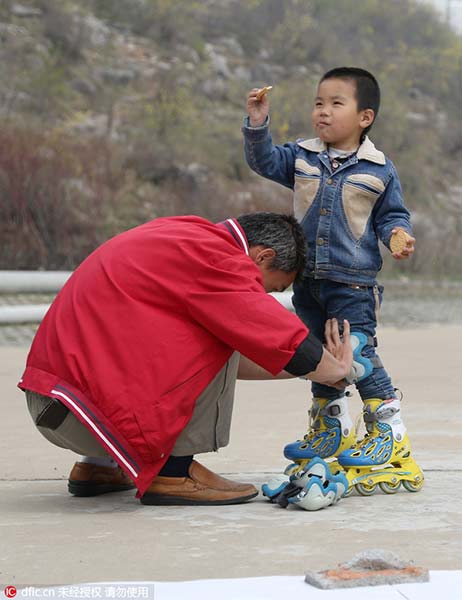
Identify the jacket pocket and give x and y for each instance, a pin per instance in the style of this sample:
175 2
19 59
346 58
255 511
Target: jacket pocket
307 180
359 195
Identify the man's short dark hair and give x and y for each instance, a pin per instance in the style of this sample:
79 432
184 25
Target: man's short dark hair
367 87
280 232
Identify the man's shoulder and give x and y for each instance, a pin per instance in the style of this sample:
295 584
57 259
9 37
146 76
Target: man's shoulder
179 220
189 233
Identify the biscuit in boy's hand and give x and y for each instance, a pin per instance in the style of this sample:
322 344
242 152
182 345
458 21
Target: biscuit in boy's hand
263 91
398 241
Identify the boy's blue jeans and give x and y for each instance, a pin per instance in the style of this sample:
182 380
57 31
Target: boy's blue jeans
316 300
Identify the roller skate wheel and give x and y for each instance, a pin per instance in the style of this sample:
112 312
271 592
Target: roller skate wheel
282 500
366 489
413 486
389 487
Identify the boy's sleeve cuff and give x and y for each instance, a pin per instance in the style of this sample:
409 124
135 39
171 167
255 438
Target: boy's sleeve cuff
264 125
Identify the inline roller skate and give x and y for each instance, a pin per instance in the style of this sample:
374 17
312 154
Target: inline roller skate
311 488
383 458
330 432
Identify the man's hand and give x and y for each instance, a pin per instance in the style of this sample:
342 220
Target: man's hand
339 347
401 244
257 109
337 357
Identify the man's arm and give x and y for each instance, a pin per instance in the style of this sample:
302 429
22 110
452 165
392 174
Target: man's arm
250 370
332 363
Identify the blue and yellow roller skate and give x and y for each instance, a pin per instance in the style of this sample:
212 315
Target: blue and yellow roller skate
383 458
311 488
330 432
317 487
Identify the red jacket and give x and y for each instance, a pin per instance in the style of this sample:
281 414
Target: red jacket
145 323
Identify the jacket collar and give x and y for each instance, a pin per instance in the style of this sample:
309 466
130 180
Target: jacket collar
366 151
232 225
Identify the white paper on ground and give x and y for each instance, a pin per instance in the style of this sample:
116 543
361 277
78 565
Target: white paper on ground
442 585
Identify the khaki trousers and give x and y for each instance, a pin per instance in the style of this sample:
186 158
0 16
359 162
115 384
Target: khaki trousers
207 430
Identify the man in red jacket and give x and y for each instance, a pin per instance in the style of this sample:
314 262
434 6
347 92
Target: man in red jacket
135 362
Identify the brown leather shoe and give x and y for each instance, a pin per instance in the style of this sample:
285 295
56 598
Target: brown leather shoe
91 480
202 487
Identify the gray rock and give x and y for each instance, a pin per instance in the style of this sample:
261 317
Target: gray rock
18 10
84 86
11 30
118 76
218 61
231 45
368 568
417 118
375 559
215 88
242 72
98 33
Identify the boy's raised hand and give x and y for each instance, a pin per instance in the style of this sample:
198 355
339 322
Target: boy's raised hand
401 244
257 108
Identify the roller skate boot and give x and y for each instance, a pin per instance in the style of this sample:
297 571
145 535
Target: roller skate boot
312 488
317 487
383 458
330 432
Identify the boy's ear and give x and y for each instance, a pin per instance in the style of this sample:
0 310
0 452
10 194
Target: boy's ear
367 118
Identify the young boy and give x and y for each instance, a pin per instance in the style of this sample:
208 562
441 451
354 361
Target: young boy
347 196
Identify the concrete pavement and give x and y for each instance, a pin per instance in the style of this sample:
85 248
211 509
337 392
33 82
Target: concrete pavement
49 537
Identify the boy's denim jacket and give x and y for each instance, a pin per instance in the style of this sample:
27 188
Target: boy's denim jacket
343 212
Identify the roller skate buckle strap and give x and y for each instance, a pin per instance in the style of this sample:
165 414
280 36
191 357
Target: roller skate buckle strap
383 412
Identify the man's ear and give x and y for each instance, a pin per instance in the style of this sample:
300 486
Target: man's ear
367 118
265 256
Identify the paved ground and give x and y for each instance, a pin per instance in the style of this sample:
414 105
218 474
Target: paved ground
49 537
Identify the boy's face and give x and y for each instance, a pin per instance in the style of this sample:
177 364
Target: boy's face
335 115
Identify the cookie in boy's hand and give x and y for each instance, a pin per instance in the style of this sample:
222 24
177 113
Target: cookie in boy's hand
263 91
398 241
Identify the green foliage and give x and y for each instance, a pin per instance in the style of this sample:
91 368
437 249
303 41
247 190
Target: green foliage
49 88
127 14
165 21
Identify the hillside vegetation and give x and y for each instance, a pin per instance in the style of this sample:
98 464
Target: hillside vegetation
116 112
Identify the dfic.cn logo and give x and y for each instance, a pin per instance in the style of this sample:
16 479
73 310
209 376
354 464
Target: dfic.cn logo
10 591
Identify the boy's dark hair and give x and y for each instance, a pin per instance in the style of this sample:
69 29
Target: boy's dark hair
367 88
280 232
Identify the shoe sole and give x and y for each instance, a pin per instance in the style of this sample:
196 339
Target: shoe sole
85 489
159 500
